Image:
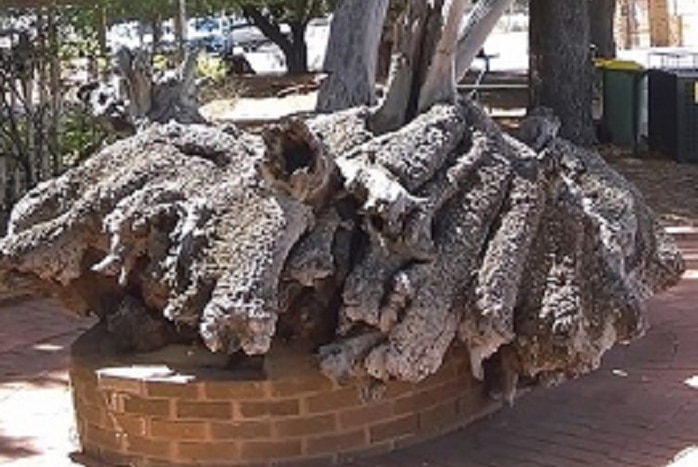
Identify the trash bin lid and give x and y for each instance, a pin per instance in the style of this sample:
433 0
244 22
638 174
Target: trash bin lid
615 64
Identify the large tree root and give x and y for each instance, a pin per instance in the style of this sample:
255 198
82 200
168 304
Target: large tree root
379 251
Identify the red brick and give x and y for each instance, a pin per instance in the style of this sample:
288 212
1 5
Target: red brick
280 408
114 401
150 462
117 458
80 426
91 395
124 423
268 450
104 438
120 384
334 400
176 430
473 403
300 426
173 390
150 407
445 374
300 386
241 430
221 451
393 429
323 460
463 369
439 417
148 447
366 415
429 397
235 390
374 449
338 442
204 410
91 413
82 376
395 389
89 448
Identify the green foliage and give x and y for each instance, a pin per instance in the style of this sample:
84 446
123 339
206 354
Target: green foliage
81 135
146 10
78 32
210 68
279 10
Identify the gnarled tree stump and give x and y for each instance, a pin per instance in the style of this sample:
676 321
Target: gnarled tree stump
379 250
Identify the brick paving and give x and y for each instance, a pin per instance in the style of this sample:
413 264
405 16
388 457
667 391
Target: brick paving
36 425
639 410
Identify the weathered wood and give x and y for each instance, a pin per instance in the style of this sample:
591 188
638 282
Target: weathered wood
538 260
431 57
343 360
171 96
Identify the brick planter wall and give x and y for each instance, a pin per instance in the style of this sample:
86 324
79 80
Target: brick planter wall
169 410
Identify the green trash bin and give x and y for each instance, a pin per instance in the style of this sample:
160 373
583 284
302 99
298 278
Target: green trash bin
622 101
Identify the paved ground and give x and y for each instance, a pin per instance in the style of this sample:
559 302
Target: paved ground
36 427
640 409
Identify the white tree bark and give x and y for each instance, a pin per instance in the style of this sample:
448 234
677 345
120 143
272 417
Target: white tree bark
480 24
352 55
440 85
420 22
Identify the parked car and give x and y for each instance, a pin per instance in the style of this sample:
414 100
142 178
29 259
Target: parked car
210 33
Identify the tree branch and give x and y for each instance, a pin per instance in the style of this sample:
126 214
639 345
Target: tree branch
440 84
480 23
267 25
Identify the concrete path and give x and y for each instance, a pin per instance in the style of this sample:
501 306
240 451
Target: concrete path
640 409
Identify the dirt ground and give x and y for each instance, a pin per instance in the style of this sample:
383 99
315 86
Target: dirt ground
670 188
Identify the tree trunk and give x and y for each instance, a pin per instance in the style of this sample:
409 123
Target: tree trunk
180 29
602 20
351 56
102 27
156 26
560 72
440 82
297 52
388 36
385 50
295 49
41 121
55 85
482 19
419 30
157 100
425 72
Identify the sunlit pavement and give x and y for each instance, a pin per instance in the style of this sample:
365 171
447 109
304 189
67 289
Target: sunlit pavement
36 425
639 409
